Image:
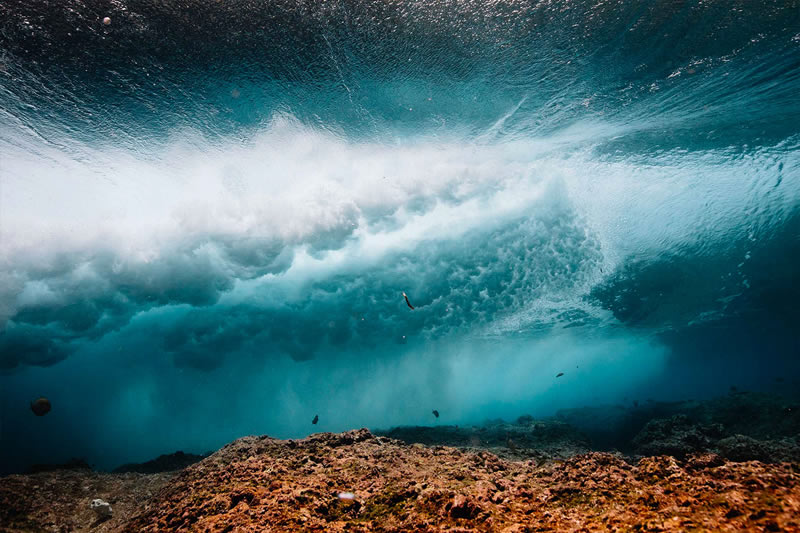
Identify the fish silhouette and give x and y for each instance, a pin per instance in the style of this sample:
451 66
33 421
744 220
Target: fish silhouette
435 413
559 374
407 302
316 419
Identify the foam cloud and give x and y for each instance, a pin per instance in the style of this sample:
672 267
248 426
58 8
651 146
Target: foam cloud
284 243
259 244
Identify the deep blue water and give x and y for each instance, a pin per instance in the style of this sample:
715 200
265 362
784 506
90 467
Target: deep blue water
209 212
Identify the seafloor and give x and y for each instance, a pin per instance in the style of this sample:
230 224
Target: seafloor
729 464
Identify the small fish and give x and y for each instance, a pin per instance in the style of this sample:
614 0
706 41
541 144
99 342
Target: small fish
435 413
41 406
407 302
636 403
559 374
316 419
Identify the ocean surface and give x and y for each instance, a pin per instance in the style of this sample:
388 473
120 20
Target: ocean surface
210 211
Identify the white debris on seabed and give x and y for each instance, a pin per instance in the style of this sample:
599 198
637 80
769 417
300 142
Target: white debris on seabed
101 507
346 496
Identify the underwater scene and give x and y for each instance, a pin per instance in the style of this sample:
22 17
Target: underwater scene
399 265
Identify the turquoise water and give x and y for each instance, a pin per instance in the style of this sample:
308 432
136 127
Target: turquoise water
209 212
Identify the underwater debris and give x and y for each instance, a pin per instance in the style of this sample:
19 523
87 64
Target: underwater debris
435 413
407 302
101 507
41 406
316 419
559 374
346 496
107 21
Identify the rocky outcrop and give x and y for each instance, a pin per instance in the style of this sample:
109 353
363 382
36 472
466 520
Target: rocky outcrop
744 448
163 463
676 436
260 484
527 438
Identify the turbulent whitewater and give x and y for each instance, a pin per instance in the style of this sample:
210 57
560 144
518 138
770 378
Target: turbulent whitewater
209 212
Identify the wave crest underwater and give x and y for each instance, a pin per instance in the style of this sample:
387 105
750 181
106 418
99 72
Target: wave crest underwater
200 196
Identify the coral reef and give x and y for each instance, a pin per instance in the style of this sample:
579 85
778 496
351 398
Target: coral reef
264 484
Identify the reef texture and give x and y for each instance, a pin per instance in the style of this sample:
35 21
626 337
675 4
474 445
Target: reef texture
264 484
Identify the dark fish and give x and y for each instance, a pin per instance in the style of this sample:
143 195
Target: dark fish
559 374
435 413
636 403
407 302
41 406
316 419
